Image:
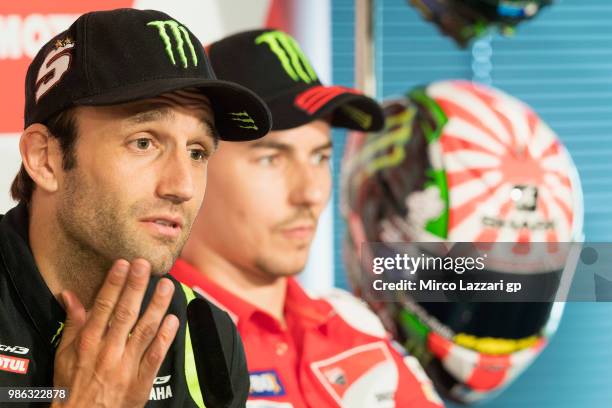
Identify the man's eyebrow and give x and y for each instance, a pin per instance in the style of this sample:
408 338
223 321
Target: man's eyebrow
270 144
325 146
158 111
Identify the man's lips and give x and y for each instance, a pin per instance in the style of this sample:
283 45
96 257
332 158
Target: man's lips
164 225
298 232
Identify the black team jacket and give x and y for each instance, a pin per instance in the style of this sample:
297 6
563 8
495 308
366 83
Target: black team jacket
205 366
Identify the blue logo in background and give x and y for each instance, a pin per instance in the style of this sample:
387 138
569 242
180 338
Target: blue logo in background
265 384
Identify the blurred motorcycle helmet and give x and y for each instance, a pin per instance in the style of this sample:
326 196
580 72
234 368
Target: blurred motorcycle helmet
462 162
464 20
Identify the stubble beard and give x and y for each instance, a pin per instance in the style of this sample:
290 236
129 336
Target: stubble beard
96 231
275 265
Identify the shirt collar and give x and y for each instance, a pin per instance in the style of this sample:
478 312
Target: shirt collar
298 303
309 310
44 310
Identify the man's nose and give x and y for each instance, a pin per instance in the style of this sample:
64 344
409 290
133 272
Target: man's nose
306 187
176 182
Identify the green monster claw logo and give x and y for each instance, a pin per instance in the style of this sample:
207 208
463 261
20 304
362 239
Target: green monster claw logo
360 117
289 54
245 118
55 340
181 37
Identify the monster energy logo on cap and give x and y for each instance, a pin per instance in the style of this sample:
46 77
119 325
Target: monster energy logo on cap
291 57
182 39
245 118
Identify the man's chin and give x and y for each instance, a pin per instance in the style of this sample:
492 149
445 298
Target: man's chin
162 255
161 260
289 272
161 267
281 268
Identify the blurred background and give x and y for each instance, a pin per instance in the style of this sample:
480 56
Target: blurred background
560 63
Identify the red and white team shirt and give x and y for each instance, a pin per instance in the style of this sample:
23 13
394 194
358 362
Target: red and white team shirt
333 352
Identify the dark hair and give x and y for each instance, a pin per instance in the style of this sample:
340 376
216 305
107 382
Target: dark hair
63 127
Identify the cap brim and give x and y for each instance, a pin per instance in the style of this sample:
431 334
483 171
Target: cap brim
347 108
240 115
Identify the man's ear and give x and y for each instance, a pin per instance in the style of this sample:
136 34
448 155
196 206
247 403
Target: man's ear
41 156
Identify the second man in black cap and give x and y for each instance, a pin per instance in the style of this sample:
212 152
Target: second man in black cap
254 232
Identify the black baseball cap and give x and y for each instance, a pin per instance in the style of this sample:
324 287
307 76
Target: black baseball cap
271 63
124 55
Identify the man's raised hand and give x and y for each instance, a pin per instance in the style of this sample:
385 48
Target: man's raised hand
108 357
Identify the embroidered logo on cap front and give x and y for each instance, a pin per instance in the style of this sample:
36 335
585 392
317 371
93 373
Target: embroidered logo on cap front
291 57
53 68
181 38
265 384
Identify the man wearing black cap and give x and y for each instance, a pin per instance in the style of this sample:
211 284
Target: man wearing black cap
122 114
254 234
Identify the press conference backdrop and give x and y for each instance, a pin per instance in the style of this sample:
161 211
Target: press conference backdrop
561 65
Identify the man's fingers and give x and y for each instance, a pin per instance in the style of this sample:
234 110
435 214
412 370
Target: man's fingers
128 307
155 354
75 317
106 299
149 323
